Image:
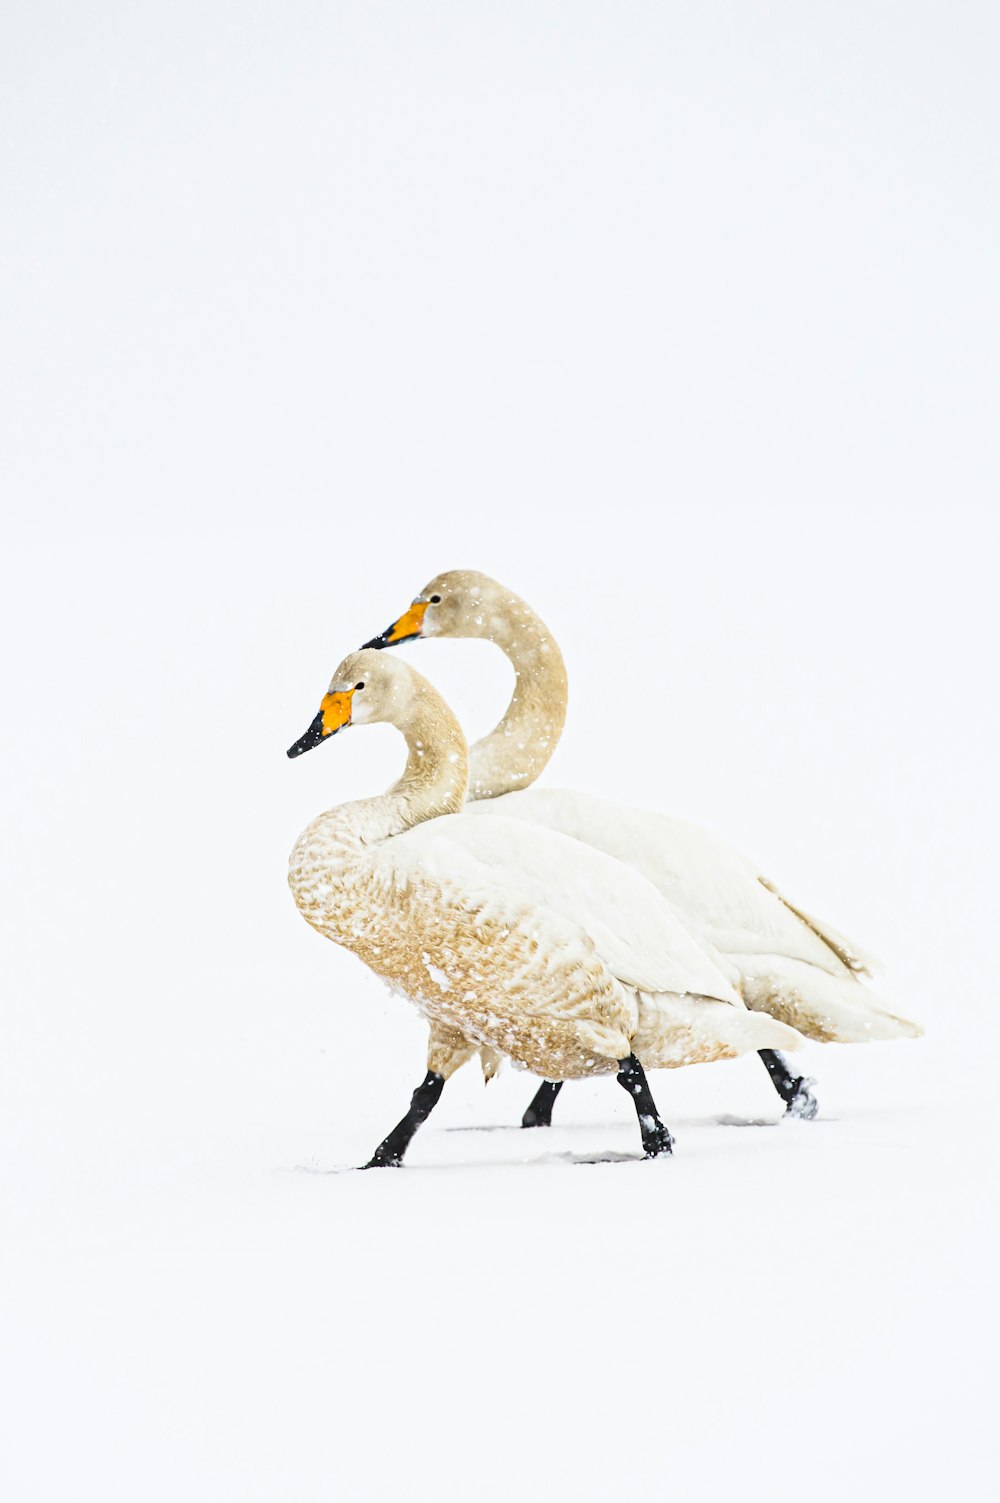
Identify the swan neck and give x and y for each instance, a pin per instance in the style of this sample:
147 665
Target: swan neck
517 750
434 782
436 774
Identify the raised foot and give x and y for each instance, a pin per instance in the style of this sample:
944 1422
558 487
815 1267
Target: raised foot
802 1103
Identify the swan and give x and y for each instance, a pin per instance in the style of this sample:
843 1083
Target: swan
507 936
783 961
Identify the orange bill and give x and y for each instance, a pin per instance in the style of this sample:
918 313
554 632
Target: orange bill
334 714
409 626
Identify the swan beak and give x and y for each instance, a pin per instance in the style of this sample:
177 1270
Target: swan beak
409 626
334 714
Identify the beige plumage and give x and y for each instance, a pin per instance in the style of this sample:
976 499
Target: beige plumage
508 937
783 961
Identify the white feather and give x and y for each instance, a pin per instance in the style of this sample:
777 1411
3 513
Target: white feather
499 861
781 958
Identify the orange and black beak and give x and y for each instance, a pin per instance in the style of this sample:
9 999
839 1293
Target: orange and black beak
409 626
334 715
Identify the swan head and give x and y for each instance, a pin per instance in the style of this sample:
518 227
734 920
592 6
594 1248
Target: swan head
458 603
368 687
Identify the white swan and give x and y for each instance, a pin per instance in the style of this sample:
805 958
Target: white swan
507 936
783 961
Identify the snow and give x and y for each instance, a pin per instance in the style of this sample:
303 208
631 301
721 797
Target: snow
681 323
807 1298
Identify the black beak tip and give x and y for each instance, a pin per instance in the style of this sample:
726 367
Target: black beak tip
376 642
313 736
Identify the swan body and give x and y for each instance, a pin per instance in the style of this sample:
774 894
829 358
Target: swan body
506 935
782 961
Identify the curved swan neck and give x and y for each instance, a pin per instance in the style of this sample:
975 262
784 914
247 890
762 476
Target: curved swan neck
434 781
516 751
436 774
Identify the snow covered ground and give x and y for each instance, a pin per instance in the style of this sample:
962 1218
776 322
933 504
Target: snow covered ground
794 1301
684 323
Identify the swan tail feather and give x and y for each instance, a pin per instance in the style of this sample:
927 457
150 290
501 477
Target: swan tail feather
827 1008
675 1030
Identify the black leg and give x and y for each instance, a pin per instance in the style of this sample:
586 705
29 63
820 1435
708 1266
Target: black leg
389 1153
656 1139
793 1089
539 1113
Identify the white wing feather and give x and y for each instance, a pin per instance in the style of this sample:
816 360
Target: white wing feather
719 895
496 862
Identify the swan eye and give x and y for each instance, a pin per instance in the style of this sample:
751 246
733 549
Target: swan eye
434 600
359 686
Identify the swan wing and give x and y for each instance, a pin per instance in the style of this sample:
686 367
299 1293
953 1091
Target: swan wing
507 865
721 896
862 961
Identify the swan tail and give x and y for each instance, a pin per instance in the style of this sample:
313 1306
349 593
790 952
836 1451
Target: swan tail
831 1009
675 1030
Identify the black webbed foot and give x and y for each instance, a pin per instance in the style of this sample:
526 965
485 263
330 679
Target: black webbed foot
389 1153
656 1139
383 1159
794 1090
802 1103
539 1112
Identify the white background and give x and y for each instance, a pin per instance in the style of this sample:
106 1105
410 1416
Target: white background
682 321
